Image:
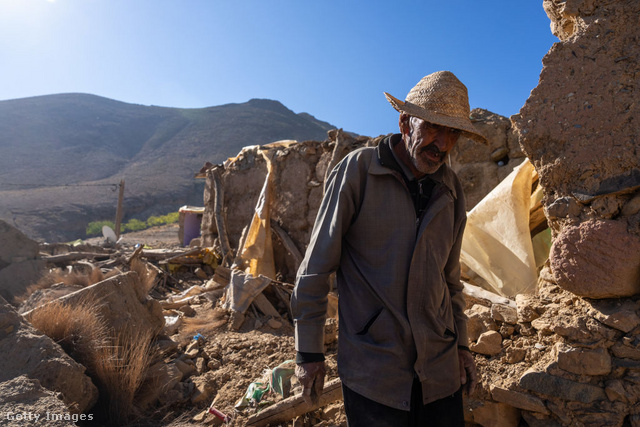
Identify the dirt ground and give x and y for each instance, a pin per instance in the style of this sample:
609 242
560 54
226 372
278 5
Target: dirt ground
165 236
235 358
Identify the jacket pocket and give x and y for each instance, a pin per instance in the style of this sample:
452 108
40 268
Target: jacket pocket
367 326
445 320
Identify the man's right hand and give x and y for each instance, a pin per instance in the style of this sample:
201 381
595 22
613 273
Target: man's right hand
311 376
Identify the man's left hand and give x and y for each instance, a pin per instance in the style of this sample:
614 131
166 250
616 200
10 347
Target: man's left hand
468 376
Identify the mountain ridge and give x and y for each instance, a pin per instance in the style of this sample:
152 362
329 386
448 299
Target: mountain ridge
59 155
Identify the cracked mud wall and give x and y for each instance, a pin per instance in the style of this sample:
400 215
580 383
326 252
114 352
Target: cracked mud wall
573 355
580 129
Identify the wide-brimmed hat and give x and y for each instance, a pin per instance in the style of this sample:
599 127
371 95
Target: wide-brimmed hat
440 98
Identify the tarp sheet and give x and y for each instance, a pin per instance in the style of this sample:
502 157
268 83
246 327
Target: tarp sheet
256 255
497 242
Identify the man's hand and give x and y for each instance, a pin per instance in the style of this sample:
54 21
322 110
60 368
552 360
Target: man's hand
311 376
468 376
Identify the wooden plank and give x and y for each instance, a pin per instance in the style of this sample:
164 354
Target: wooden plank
218 208
73 256
265 306
119 212
289 408
288 244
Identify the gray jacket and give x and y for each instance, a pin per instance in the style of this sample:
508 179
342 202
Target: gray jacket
401 306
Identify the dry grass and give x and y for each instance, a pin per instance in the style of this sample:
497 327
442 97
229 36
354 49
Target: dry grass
116 363
119 370
77 328
206 326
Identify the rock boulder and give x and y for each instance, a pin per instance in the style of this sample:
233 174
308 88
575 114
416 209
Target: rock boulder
20 265
597 259
38 357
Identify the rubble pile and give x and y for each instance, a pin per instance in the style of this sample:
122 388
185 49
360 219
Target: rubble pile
44 363
573 355
565 353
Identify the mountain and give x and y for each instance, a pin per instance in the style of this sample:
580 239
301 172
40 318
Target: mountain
62 156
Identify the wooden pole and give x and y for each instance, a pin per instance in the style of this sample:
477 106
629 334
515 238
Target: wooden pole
338 153
119 209
289 408
288 244
218 208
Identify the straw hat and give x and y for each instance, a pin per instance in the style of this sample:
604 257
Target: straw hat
440 98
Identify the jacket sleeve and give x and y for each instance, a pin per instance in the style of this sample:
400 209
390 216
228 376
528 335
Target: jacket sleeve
309 299
452 275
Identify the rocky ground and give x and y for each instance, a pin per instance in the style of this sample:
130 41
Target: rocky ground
220 364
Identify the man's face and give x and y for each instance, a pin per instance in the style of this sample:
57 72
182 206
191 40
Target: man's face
428 144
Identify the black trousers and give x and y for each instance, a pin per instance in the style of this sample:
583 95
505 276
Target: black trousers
363 412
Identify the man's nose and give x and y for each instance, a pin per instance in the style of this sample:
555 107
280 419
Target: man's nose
441 139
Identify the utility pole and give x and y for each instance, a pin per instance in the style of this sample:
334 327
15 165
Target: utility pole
119 209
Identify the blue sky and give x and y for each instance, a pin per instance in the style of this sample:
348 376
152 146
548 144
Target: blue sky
330 58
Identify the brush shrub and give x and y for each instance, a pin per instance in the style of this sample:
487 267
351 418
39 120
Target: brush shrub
94 228
116 361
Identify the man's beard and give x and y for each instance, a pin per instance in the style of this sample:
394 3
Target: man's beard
425 164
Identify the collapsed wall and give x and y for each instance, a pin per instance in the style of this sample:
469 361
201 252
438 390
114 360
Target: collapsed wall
299 170
570 354
580 129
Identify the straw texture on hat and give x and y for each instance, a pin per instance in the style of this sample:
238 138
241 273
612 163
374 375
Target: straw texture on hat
440 98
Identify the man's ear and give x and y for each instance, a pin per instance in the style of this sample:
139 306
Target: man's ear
403 123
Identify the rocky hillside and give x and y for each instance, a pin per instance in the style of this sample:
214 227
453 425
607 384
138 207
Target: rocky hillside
61 156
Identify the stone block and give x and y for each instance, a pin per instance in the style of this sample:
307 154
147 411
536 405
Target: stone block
28 352
503 313
526 307
619 314
597 259
24 402
583 361
615 391
15 278
517 399
489 343
495 414
15 245
626 350
479 321
159 380
560 388
539 420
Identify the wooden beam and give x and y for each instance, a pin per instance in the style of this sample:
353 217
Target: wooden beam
73 256
265 306
342 143
289 408
119 209
288 244
218 207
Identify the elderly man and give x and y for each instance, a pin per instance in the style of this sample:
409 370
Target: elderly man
390 225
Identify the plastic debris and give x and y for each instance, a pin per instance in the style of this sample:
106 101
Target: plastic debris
218 414
277 380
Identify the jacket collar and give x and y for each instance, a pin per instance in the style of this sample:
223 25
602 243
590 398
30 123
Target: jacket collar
385 163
